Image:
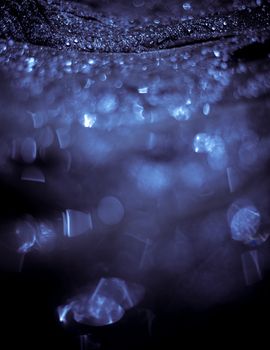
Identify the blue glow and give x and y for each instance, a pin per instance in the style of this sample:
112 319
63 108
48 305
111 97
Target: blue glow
98 311
104 305
88 120
76 223
31 62
205 143
110 210
251 267
214 147
26 236
181 113
245 224
143 90
63 312
46 236
193 175
107 104
29 150
151 178
187 6
206 109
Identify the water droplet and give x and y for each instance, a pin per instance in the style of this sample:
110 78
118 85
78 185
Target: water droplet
110 210
68 63
216 53
244 223
187 6
143 90
206 109
31 62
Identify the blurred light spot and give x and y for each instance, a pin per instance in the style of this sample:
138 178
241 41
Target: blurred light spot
206 109
107 104
26 236
245 223
187 6
151 178
63 311
110 210
205 143
46 236
31 62
63 136
76 223
143 90
214 146
33 174
248 152
181 113
216 53
38 119
46 137
138 110
232 179
104 305
193 174
89 120
251 267
29 150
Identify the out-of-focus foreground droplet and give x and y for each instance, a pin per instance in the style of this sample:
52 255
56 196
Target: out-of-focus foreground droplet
104 304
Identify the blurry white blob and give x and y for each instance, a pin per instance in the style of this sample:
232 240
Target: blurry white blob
244 222
206 109
110 210
107 104
103 305
76 223
29 150
187 6
31 234
33 174
251 267
205 143
181 112
30 64
88 120
143 90
214 147
25 235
